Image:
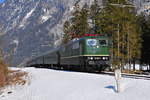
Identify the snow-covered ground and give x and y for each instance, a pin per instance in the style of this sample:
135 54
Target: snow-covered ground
46 84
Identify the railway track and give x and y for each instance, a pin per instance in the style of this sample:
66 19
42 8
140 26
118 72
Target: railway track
124 75
133 76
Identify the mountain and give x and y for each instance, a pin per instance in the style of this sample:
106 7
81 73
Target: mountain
32 27
29 28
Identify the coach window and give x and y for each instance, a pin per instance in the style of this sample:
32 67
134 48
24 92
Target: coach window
75 46
63 49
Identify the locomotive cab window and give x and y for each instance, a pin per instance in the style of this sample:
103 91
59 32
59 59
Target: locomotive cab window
103 42
91 42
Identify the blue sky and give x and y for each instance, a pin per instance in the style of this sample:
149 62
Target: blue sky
1 1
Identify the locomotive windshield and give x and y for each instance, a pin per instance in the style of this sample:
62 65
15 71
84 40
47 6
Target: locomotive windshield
91 42
103 42
95 42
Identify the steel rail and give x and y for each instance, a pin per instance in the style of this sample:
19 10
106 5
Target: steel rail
125 75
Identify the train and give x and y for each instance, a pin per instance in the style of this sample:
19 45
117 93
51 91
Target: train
90 53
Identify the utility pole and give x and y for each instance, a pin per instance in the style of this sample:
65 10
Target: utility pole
118 44
128 48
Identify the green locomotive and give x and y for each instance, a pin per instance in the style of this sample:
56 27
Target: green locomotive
90 53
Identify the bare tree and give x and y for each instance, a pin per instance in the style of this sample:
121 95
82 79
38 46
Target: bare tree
3 67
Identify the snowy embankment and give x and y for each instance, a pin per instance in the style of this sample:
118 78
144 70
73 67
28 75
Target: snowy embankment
46 84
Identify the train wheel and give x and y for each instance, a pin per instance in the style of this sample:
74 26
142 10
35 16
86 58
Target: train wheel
89 69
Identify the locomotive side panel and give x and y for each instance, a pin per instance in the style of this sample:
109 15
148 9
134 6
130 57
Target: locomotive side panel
70 54
51 58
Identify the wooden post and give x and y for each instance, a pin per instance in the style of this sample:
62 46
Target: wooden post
118 79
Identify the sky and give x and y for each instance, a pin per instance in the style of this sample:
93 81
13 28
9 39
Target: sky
1 1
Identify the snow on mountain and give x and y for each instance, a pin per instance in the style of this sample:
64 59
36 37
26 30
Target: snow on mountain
24 20
46 84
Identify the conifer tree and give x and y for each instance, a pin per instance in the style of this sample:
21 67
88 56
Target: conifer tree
67 31
78 25
83 26
70 25
144 22
118 19
94 12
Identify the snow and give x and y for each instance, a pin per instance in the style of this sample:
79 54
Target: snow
28 15
16 42
72 8
137 67
47 84
45 18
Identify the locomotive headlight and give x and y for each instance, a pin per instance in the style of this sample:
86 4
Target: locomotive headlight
104 58
90 58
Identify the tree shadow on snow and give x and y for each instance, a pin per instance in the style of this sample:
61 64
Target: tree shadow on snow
111 87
